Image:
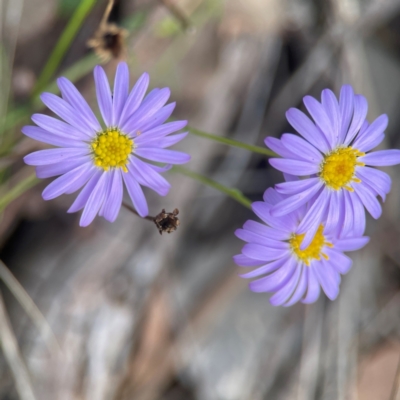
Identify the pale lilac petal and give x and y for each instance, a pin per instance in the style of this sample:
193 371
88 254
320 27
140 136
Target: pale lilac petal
262 210
369 200
277 146
145 111
251 237
159 132
360 113
58 127
372 136
293 202
265 231
346 103
272 197
44 136
265 269
294 167
296 187
120 93
136 194
171 140
339 261
378 180
301 287
327 278
50 170
245 261
70 182
84 194
334 220
159 117
358 215
381 158
262 253
351 244
283 294
307 129
331 107
113 199
321 118
163 155
95 200
135 98
313 288
52 156
104 97
148 177
66 112
304 150
277 279
71 94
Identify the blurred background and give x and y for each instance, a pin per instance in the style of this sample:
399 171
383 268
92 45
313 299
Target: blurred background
132 314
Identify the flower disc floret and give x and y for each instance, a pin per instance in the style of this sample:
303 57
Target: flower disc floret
314 250
111 149
338 168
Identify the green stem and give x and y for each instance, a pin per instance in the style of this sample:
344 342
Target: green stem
17 190
235 194
63 44
233 142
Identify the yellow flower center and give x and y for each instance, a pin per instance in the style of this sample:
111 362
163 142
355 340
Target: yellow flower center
313 251
111 149
338 167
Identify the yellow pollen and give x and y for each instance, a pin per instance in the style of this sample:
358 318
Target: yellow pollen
111 149
313 251
338 168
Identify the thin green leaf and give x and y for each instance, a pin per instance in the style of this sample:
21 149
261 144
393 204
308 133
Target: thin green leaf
232 142
234 193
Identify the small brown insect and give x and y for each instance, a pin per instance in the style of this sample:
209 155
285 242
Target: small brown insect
109 39
167 222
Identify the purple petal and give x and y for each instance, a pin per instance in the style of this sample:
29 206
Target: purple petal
372 136
251 237
265 231
58 127
358 214
148 108
48 171
296 187
170 140
71 94
66 112
293 202
307 129
331 107
135 98
294 167
351 244
302 148
360 113
163 155
381 158
145 175
104 97
160 132
264 269
283 294
272 197
113 200
378 180
95 200
339 261
369 200
321 118
327 278
262 253
136 194
52 156
301 287
245 261
159 117
70 182
44 136
277 146
347 212
284 224
313 288
277 279
334 220
346 110
120 95
83 196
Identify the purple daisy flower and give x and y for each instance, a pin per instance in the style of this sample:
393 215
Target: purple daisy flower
99 159
334 154
293 273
